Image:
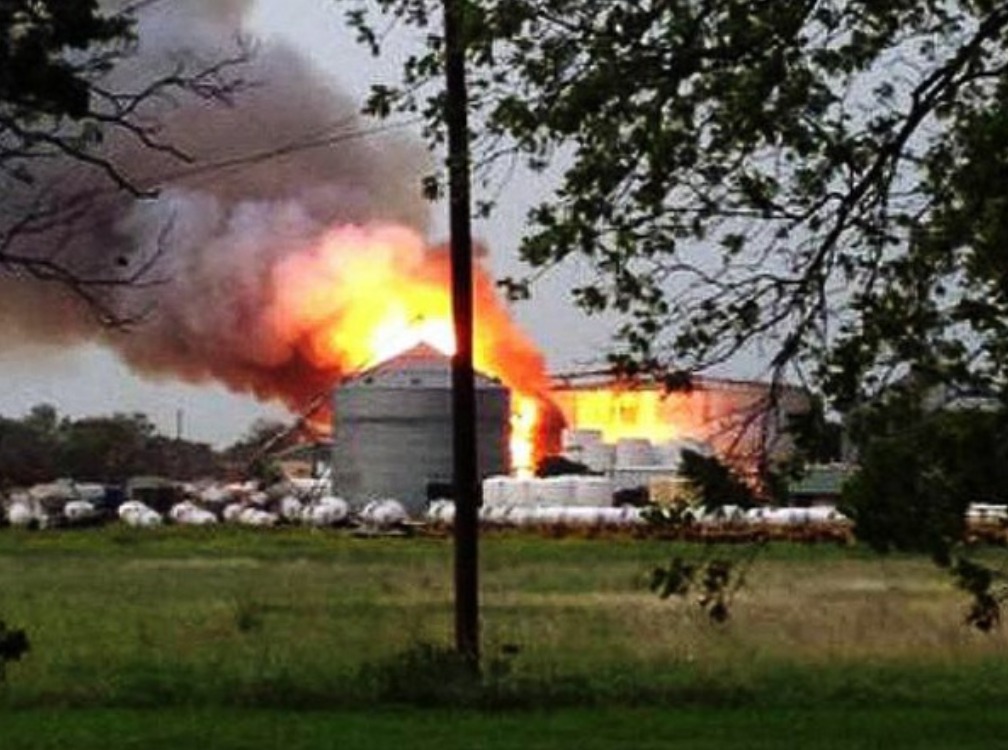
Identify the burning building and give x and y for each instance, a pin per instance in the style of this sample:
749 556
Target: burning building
392 429
642 427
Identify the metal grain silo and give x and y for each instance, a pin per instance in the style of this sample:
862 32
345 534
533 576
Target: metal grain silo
392 429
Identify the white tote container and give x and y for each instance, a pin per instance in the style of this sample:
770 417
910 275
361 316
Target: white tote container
593 491
495 491
634 452
600 457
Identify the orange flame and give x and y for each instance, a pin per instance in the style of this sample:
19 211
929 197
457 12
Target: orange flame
620 412
364 294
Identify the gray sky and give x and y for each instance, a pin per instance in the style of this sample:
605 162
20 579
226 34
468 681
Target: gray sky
89 380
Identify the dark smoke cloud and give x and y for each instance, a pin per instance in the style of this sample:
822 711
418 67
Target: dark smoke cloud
217 234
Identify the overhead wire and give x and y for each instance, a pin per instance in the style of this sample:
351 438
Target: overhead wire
287 149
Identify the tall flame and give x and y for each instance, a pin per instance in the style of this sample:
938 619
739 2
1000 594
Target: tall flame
361 295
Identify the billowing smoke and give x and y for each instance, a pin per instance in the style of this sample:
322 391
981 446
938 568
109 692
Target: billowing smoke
212 247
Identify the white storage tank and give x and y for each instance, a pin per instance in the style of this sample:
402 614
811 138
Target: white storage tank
668 453
517 491
577 445
20 514
326 511
384 513
290 509
135 513
632 452
495 491
254 517
584 518
579 439
593 492
441 512
554 491
600 457
549 515
495 515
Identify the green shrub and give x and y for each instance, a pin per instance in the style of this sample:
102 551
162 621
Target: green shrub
13 645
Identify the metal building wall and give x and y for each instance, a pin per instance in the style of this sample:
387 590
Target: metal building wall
392 433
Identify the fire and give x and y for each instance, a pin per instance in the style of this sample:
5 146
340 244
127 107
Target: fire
731 417
524 426
626 412
365 294
398 333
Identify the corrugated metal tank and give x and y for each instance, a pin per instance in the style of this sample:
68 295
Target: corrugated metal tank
392 429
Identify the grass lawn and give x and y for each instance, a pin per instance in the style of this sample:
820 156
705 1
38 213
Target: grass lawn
823 728
255 638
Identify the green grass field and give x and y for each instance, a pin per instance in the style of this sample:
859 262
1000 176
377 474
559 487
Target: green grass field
144 638
641 729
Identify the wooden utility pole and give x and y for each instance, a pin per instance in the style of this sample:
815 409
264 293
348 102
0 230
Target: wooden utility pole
466 480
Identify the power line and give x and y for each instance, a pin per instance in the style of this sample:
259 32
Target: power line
287 149
72 203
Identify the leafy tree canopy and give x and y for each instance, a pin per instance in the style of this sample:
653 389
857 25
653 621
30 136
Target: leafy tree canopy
37 77
824 178
921 469
53 56
714 482
42 447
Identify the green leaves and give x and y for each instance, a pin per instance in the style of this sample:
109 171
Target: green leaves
920 470
825 183
713 581
675 579
37 71
796 179
984 612
715 483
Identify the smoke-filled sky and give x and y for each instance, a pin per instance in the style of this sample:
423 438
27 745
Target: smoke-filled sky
317 75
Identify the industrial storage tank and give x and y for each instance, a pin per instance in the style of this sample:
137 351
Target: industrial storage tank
392 434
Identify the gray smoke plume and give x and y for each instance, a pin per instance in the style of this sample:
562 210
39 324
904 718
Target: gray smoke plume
208 247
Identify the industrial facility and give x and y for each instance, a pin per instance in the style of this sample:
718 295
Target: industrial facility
643 423
392 427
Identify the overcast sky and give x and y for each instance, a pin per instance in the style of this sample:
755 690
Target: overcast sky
88 380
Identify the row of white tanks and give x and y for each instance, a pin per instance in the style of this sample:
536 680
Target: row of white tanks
442 512
568 490
987 512
589 448
241 505
319 512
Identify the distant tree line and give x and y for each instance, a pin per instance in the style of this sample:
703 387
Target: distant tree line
43 446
